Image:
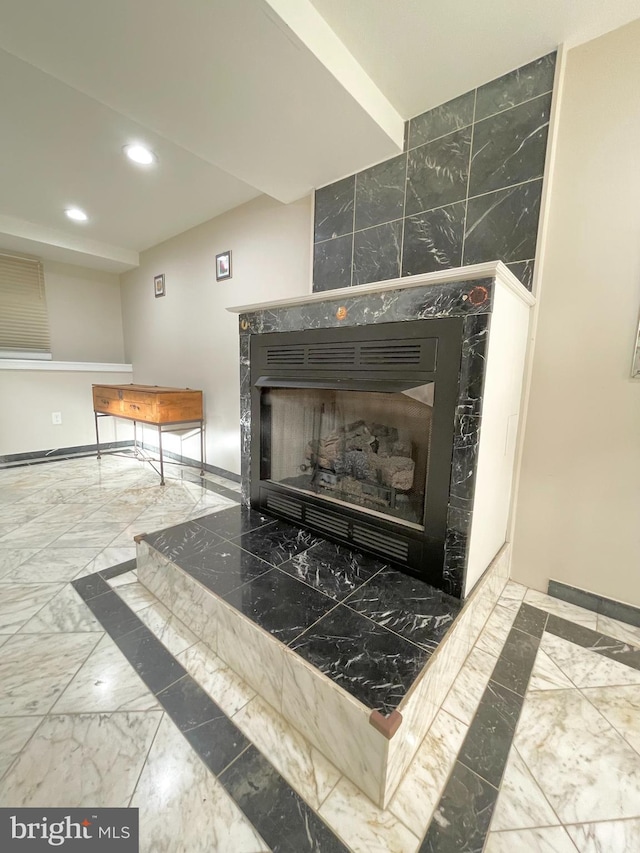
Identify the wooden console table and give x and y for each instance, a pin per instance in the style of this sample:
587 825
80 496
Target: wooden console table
151 405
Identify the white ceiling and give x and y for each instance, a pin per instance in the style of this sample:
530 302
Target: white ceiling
236 98
421 53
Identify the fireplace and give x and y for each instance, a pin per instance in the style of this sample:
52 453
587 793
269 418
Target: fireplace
353 429
385 416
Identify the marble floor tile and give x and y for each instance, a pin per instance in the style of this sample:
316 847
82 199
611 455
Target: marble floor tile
15 514
4 638
146 654
65 612
512 595
35 535
585 769
123 580
183 807
98 534
609 837
521 804
496 629
579 615
464 696
14 733
278 813
586 668
419 791
107 557
157 519
172 633
69 512
462 818
19 602
35 669
105 682
51 565
11 558
136 596
621 707
490 735
81 759
364 827
551 839
225 687
300 763
620 630
545 675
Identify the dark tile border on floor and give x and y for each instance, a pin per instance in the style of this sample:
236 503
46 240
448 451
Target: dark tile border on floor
463 815
597 603
272 806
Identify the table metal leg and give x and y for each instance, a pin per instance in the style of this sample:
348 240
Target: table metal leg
161 459
95 415
202 444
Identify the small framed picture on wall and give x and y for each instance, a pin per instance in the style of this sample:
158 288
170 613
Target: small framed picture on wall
223 266
158 285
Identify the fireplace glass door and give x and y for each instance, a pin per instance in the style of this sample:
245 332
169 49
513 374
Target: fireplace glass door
368 449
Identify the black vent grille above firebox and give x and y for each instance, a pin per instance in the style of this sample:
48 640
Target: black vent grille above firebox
419 354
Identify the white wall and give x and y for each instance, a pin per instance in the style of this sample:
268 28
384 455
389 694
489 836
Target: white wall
187 338
85 323
578 511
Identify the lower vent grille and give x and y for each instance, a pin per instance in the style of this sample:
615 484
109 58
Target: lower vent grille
329 523
284 506
381 542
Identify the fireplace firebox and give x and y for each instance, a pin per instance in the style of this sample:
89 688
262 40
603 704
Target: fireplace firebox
352 434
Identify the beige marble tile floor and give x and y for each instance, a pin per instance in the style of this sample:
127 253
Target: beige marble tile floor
79 727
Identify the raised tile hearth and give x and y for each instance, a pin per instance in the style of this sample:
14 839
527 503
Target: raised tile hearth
355 654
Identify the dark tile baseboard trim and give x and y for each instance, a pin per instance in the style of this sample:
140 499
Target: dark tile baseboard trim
598 603
36 456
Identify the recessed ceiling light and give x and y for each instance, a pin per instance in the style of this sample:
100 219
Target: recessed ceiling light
140 154
76 214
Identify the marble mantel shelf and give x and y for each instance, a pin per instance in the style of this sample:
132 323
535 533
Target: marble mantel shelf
488 270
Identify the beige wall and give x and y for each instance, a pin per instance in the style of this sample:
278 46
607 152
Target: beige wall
187 338
85 313
32 395
578 511
85 322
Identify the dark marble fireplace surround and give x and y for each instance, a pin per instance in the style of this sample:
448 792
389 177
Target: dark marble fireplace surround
470 300
466 190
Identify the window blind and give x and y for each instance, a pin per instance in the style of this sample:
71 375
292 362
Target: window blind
24 324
